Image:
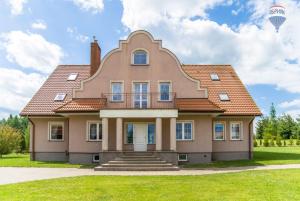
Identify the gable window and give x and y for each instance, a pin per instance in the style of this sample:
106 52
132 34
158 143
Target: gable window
151 133
140 57
219 131
94 131
60 97
235 130
224 97
184 130
72 76
117 90
164 91
56 131
214 77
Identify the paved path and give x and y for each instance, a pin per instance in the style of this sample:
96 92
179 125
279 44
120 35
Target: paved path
16 174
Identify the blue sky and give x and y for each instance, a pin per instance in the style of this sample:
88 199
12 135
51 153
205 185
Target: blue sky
35 36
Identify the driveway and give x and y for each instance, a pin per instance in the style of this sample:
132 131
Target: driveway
10 175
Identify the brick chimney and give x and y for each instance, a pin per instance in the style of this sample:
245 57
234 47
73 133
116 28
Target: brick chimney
95 56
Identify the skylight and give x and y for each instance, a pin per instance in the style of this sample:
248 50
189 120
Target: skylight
214 77
60 97
224 97
72 76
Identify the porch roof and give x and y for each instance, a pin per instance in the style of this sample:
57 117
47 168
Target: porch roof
82 105
197 105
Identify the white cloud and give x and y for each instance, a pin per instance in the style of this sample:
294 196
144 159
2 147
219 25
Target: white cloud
16 6
96 6
258 53
4 115
31 51
74 34
16 88
289 104
39 24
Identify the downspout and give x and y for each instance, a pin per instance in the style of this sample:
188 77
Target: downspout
33 139
250 138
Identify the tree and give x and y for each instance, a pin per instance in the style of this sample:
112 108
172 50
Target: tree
278 140
286 126
260 127
10 139
273 121
27 138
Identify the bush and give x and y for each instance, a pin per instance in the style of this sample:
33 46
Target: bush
298 142
291 141
272 142
284 143
278 141
255 143
10 140
260 142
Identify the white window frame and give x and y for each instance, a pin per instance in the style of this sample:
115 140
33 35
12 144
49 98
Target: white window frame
56 98
133 82
241 130
170 90
61 123
183 122
122 90
224 135
147 57
214 77
224 94
89 122
183 160
72 76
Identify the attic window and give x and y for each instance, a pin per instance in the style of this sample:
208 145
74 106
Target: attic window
224 97
60 97
214 77
72 76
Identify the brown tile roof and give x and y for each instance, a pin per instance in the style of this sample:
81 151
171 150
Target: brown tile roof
83 105
197 105
42 103
241 103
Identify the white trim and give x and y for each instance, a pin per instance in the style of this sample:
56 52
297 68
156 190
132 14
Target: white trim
88 123
183 159
120 48
138 113
241 130
224 130
132 57
170 90
122 91
193 130
133 91
50 123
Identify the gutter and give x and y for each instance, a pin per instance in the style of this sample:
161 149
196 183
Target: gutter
33 139
250 139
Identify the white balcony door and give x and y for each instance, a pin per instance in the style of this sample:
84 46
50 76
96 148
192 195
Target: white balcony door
140 137
140 97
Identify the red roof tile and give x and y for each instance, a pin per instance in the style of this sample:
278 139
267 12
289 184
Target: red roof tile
196 105
83 105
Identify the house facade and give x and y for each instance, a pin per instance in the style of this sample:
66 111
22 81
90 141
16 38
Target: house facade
140 98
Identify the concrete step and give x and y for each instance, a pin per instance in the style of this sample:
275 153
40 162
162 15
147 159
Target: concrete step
137 153
172 168
136 161
137 165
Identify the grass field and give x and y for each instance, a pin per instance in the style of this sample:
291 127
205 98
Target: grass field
250 185
23 160
262 156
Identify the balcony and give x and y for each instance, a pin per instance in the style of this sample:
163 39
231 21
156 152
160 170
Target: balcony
152 100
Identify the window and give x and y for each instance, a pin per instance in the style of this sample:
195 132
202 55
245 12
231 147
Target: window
184 131
164 89
182 157
129 133
235 130
94 131
96 158
140 57
219 131
224 97
72 76
214 77
117 90
56 131
60 97
151 133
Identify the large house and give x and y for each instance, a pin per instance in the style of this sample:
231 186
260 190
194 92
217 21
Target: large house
140 101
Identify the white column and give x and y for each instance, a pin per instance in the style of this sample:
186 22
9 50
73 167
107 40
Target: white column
119 134
173 134
104 134
158 139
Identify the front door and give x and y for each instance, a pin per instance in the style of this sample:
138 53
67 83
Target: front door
140 97
140 137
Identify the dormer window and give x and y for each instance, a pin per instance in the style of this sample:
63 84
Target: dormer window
224 97
140 57
60 97
214 77
72 76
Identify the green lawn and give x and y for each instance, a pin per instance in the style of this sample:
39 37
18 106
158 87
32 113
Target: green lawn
262 156
23 160
251 185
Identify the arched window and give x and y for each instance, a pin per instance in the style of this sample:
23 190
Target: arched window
140 57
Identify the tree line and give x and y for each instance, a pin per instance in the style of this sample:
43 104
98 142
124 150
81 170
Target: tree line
271 129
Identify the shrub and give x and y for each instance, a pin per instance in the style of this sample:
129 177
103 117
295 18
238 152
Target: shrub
260 142
255 143
284 143
291 141
298 142
10 140
272 142
278 141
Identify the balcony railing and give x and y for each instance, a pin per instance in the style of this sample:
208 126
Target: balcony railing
152 100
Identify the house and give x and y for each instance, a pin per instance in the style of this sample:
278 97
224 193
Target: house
140 99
